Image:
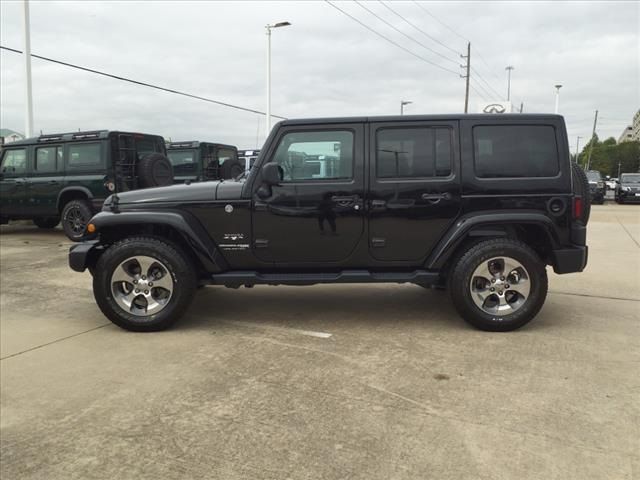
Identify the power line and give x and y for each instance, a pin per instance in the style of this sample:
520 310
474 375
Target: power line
455 62
485 82
144 84
419 29
479 94
480 86
391 41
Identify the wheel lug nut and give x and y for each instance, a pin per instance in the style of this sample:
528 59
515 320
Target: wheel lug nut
493 280
143 277
501 279
146 292
137 291
493 289
151 284
135 282
506 286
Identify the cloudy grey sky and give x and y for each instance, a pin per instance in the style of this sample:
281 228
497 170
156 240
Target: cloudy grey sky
325 64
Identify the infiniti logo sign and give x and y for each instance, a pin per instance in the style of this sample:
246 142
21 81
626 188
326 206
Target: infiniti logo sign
494 108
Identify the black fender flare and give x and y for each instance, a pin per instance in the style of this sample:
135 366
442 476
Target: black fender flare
187 226
487 224
74 188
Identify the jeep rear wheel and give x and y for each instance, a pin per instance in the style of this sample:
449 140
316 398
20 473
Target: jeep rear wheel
498 285
75 216
143 284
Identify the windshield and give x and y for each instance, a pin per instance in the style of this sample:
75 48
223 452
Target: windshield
594 176
183 161
630 178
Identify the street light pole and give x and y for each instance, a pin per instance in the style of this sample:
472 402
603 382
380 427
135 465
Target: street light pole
508 69
578 148
28 123
402 104
558 87
268 32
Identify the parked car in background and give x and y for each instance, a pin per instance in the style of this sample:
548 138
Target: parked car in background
596 186
67 176
249 157
201 161
480 204
610 183
628 188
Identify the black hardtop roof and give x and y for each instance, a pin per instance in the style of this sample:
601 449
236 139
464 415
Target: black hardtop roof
76 137
196 144
414 118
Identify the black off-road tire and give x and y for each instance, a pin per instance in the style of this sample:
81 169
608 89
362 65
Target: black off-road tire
75 216
581 188
461 276
231 169
178 265
46 222
154 170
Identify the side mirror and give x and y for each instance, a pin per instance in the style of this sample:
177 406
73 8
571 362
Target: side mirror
272 173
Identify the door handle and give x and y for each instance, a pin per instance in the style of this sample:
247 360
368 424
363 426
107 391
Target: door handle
436 197
344 200
376 204
53 182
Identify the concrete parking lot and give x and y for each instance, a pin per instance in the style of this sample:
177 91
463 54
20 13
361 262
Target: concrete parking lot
325 382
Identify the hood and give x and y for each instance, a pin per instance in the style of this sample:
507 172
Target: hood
180 193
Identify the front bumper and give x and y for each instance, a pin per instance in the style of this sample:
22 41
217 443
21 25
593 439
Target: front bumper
83 255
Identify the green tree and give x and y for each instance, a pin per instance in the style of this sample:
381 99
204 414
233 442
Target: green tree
608 156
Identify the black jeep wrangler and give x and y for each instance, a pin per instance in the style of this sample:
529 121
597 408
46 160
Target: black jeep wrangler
480 204
67 176
201 161
597 188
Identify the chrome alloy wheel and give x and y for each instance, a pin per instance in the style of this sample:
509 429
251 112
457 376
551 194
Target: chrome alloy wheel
500 286
142 285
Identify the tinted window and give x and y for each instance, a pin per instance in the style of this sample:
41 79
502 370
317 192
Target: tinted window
508 151
225 154
145 146
183 161
630 178
594 175
84 156
14 161
413 152
316 155
47 159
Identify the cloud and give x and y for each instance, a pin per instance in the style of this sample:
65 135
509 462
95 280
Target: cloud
325 64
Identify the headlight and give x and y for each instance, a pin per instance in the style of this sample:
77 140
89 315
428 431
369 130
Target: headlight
626 189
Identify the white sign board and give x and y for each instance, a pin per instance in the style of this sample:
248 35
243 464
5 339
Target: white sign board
496 107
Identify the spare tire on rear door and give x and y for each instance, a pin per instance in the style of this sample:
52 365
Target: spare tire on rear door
154 170
231 169
581 189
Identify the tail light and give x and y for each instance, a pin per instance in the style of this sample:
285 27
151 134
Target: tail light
578 206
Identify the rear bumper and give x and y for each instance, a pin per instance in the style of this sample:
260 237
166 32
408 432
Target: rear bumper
570 260
83 255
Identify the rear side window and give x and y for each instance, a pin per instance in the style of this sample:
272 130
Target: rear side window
14 161
47 159
515 151
83 156
413 152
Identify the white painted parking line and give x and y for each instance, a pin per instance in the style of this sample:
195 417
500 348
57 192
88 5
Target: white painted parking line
308 333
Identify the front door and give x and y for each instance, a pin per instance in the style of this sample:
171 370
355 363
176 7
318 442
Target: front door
316 213
414 187
13 171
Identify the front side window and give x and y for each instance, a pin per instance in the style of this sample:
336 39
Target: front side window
14 161
47 159
84 156
225 154
515 151
308 156
413 152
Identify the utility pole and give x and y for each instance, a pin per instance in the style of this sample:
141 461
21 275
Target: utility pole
521 106
593 134
402 104
28 123
558 87
578 148
268 29
508 68
467 76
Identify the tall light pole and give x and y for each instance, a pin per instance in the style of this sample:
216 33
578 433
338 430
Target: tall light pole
508 68
268 32
28 122
558 87
578 148
402 104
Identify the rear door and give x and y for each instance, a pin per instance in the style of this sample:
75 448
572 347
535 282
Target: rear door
414 187
13 170
45 180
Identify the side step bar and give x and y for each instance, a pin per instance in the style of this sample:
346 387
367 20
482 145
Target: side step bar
239 278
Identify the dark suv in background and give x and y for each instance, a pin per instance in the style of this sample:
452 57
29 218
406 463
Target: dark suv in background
480 204
628 188
66 177
201 161
597 187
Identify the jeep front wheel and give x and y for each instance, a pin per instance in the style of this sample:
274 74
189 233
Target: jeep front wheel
498 285
143 284
75 216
